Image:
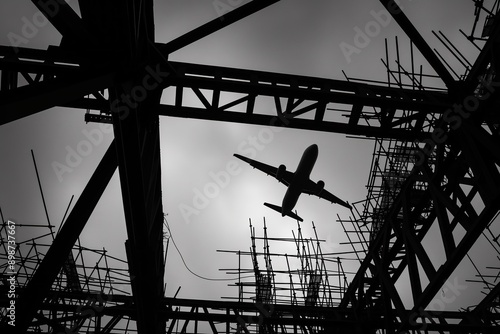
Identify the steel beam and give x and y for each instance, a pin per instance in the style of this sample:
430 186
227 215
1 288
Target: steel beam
217 313
28 100
481 313
307 98
395 241
38 287
215 25
417 39
290 122
488 56
468 149
401 114
46 68
138 149
297 87
370 110
66 21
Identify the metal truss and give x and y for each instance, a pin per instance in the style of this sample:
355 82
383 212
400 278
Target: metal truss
108 56
86 283
296 101
117 313
454 183
441 194
94 298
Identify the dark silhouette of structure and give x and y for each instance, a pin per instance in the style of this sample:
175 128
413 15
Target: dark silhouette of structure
435 165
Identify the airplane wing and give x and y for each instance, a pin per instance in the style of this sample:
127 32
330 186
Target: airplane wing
286 176
311 188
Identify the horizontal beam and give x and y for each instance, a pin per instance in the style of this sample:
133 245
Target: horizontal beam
283 120
36 67
244 312
305 87
31 99
287 121
368 110
306 100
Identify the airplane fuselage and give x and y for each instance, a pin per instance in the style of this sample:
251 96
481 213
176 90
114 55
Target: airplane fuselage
297 182
300 178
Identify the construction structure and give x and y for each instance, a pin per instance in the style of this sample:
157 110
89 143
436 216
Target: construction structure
307 276
435 168
89 281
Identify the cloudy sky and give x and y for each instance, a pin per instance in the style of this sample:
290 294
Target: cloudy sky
293 36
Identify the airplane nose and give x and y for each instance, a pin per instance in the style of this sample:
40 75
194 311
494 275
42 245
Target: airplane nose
312 151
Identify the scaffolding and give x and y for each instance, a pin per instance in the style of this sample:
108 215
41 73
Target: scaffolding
308 277
301 287
304 277
90 282
394 161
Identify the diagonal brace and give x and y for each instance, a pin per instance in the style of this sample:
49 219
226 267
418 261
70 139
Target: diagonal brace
37 288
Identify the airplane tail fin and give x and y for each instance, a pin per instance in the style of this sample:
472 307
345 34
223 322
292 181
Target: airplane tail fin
278 209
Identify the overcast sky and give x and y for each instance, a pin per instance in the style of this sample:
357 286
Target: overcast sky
293 36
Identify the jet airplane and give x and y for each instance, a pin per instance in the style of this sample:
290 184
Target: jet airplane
297 182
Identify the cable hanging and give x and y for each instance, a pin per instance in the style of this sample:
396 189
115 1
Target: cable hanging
184 262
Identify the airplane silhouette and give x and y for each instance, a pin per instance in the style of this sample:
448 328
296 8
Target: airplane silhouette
297 183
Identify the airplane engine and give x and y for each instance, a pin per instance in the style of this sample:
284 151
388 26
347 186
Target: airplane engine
280 173
319 187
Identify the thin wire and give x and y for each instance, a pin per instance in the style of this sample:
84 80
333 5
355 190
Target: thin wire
185 264
41 193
